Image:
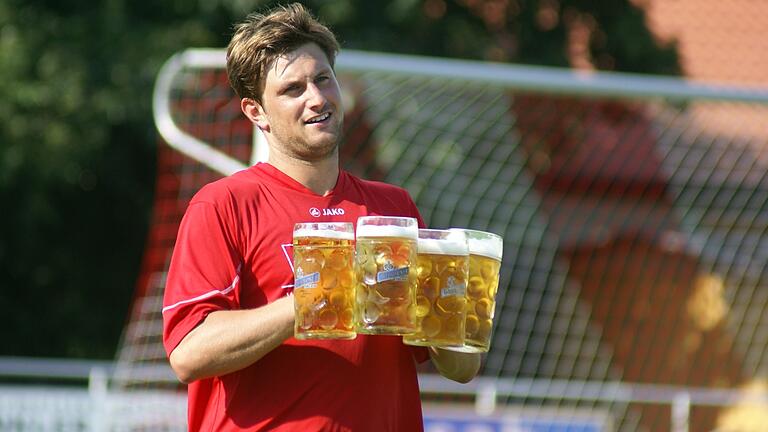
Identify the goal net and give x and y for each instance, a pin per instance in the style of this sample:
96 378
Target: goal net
633 211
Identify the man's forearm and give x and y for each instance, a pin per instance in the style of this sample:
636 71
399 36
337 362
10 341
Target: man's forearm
227 341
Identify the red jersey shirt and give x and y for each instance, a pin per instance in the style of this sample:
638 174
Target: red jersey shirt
234 251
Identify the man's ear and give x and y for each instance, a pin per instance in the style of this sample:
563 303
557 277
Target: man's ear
255 113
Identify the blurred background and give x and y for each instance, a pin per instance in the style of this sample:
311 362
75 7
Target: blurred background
634 226
79 142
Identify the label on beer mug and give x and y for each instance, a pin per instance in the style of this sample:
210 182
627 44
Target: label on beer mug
453 288
392 274
308 281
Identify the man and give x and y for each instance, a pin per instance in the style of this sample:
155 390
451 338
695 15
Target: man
228 316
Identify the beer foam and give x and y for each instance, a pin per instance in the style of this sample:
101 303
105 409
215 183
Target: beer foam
324 233
485 247
387 231
442 247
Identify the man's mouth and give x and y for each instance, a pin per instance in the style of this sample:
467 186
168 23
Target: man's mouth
319 119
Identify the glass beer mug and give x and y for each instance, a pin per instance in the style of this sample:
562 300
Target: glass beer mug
485 250
386 280
443 264
323 292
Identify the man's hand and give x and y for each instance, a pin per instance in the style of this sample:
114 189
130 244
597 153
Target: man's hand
456 366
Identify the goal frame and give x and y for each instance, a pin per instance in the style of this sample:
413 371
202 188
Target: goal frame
540 79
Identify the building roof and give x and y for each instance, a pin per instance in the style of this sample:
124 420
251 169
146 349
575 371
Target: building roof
717 40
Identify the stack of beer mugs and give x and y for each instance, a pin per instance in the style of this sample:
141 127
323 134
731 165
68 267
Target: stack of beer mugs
388 277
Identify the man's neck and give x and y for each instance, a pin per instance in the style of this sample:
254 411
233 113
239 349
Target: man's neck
318 176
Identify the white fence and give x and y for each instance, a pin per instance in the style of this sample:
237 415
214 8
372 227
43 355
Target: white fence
83 402
89 405
57 409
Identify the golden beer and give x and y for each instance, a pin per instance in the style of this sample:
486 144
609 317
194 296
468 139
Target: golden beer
323 290
485 251
386 284
442 270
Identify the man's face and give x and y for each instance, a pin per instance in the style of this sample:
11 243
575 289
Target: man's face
301 104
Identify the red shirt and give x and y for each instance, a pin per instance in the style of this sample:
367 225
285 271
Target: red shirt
234 251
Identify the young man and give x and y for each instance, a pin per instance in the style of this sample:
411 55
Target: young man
228 318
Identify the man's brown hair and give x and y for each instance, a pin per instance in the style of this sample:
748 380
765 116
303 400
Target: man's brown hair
262 38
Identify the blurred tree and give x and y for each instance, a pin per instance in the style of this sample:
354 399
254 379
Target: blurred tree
608 35
77 140
77 163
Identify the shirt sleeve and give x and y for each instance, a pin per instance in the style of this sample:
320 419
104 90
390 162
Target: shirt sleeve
204 273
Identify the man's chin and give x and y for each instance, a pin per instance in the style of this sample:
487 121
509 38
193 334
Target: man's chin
320 151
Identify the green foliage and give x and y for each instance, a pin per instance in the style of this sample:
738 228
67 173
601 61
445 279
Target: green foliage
77 142
519 31
77 165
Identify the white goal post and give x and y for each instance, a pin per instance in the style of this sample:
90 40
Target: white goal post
519 77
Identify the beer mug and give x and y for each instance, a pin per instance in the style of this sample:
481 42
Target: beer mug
442 270
485 251
386 282
323 290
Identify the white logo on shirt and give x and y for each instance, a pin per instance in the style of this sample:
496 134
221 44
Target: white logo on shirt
316 212
288 254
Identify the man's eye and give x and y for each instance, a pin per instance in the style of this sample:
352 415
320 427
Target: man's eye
291 89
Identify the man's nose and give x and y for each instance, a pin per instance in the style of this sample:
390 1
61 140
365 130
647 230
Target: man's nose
315 96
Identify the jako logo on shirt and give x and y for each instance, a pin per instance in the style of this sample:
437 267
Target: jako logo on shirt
316 212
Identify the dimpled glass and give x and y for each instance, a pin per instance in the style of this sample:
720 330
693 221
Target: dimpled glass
324 280
386 281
